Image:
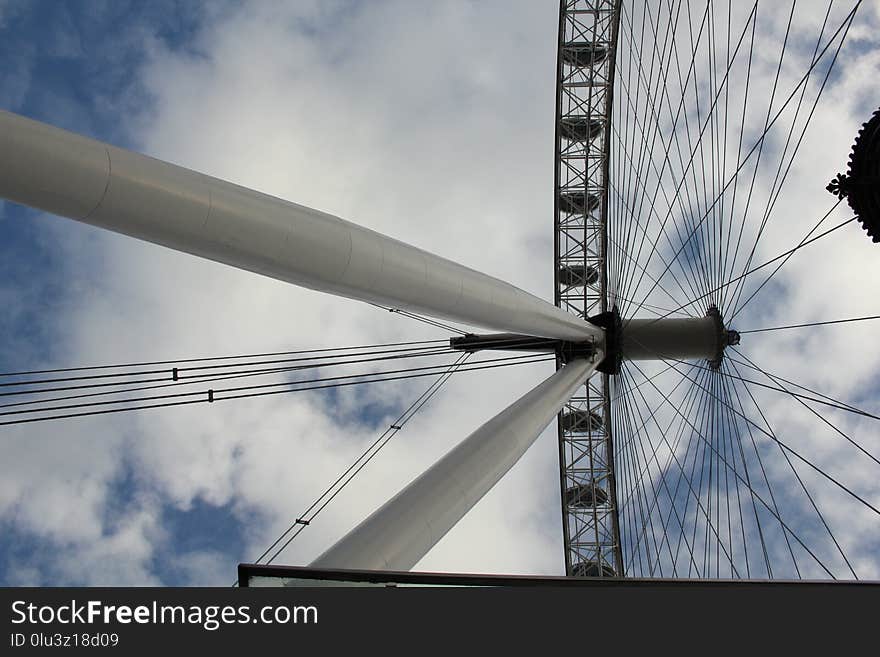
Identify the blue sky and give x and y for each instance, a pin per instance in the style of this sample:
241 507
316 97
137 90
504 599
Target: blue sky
404 117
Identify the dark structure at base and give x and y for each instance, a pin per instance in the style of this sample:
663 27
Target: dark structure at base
861 185
251 575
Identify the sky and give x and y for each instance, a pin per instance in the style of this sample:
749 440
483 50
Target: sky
432 123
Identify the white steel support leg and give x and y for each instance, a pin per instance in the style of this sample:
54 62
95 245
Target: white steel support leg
90 181
404 529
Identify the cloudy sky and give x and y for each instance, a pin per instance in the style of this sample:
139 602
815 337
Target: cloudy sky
431 122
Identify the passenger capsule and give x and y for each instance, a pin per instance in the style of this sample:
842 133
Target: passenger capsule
583 54
581 421
580 128
578 202
590 568
585 496
578 275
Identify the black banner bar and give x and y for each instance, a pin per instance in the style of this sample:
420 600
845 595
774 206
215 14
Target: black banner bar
455 617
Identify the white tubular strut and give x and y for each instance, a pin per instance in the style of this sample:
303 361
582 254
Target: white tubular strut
404 529
73 176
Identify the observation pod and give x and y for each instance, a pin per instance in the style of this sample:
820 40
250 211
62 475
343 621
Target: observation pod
580 128
585 496
583 53
579 421
578 202
578 275
590 568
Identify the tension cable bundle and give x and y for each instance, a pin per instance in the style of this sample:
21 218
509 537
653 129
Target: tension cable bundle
53 394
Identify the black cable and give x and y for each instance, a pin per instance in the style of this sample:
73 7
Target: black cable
210 358
771 201
174 372
804 460
805 405
499 344
766 126
755 495
425 320
769 262
839 406
521 360
846 22
678 189
203 378
302 521
833 403
222 390
795 473
392 431
791 326
784 380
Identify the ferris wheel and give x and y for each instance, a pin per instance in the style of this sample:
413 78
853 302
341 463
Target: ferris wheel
679 126
681 202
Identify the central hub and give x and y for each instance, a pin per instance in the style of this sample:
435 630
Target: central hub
664 338
667 338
